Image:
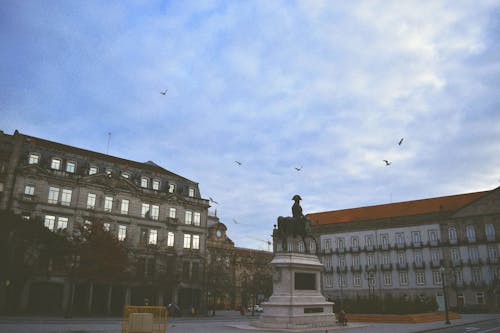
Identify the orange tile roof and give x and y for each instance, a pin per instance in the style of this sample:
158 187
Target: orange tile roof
407 208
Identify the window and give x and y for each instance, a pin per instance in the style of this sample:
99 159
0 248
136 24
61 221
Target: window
326 244
188 217
327 262
473 254
433 236
328 281
480 298
171 188
53 195
125 175
340 243
170 239
471 233
106 226
70 166
437 278
144 182
355 260
420 278
66 197
108 203
415 236
418 257
342 261
452 234
369 241
476 276
356 279
300 247
342 280
187 241
492 252
196 242
91 201
400 238
387 279
384 239
122 232
62 223
401 258
145 210
156 184
153 237
355 242
196 219
435 257
29 190
490 232
386 258
455 255
155 212
124 207
34 159
55 164
370 259
49 222
172 212
93 170
191 192
403 278
459 277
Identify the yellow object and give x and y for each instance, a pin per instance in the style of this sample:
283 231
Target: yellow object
144 319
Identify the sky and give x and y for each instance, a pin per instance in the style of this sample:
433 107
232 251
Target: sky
327 87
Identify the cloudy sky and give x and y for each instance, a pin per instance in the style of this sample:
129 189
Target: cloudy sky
326 86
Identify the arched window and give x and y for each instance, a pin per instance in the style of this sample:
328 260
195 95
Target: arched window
452 234
471 233
490 232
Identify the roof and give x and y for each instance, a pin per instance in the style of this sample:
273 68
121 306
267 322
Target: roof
149 165
446 204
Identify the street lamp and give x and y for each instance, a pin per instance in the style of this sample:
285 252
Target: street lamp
443 280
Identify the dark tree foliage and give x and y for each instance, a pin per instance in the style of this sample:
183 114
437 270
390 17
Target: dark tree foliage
387 305
99 256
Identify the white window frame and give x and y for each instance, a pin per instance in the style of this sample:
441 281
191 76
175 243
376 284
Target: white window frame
402 258
403 278
188 217
153 237
355 242
452 234
172 212
106 226
471 233
196 218
369 241
155 212
490 231
170 239
53 197
356 279
187 241
55 163
66 195
156 184
191 192
33 158
493 252
70 166
62 223
387 278
144 182
474 254
29 189
49 222
455 254
420 278
196 242
400 238
171 188
480 298
145 210
476 275
437 278
108 203
340 243
122 232
91 200
93 170
355 260
124 206
416 237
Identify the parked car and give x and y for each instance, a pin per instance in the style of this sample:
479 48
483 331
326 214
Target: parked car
256 308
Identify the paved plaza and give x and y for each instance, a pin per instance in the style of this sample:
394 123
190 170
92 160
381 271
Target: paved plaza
225 321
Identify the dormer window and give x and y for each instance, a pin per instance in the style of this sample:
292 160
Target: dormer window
55 164
70 166
191 192
93 170
34 159
156 184
144 182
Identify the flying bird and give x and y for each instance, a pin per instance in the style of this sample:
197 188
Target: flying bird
212 200
237 162
298 169
400 141
236 222
164 92
386 162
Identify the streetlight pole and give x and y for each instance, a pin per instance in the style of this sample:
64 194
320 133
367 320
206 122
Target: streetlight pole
443 280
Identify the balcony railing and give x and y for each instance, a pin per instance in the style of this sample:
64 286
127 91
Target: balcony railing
402 267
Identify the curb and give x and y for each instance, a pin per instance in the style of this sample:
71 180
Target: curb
456 325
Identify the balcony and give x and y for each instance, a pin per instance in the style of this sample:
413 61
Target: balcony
417 245
493 261
386 267
372 268
356 268
328 269
402 267
400 246
341 269
355 249
172 220
420 265
456 263
436 264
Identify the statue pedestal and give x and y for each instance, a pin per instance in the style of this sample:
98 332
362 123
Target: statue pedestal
296 301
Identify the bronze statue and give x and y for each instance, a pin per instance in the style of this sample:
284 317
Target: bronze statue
297 225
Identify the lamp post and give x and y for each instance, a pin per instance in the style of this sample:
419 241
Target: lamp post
443 280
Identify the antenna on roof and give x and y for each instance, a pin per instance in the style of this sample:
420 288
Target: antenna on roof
109 139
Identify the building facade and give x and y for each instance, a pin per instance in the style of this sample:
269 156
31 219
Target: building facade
158 215
235 276
409 249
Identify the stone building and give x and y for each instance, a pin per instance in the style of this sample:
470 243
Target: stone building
407 248
235 276
158 215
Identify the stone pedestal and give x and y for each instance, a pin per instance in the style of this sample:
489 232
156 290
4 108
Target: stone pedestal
296 301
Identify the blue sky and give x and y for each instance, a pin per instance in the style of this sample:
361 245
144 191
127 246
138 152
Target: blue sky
329 86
